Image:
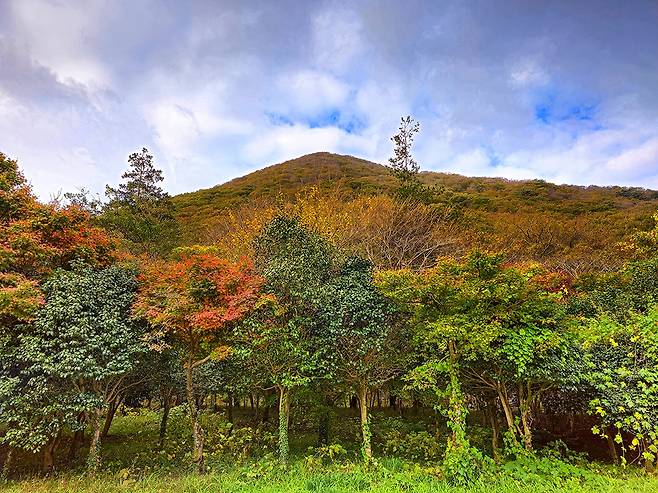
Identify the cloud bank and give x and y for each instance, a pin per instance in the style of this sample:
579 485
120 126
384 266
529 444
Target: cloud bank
564 91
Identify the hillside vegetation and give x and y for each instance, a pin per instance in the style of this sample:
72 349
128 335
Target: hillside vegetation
565 225
334 327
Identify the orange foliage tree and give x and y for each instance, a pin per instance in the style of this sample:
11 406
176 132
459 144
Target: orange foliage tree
193 300
37 238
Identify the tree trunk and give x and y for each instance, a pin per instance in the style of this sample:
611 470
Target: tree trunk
457 406
365 423
612 449
324 422
166 406
197 431
230 408
524 409
6 467
111 411
94 458
48 458
284 423
392 401
507 409
266 407
76 440
495 430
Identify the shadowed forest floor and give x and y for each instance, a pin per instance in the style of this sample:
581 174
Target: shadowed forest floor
243 461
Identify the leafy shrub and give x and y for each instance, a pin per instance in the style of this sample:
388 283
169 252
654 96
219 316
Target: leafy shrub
462 465
418 446
324 455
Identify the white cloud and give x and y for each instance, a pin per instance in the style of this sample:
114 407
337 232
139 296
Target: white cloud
337 40
58 35
217 88
307 92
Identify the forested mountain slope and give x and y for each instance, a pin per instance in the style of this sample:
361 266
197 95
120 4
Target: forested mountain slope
530 219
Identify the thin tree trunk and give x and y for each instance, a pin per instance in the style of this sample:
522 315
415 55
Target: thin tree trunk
266 407
611 446
324 422
392 401
6 467
197 431
284 423
524 408
457 406
365 422
111 411
166 406
507 409
76 440
495 430
93 460
230 408
48 458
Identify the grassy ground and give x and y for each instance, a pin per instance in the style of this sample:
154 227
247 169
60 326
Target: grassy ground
343 479
243 462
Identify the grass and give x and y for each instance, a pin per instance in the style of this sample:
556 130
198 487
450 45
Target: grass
331 479
131 463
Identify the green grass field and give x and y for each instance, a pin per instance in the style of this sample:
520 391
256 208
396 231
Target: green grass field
131 463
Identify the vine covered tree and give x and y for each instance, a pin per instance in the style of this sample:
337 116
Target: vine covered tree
296 264
369 345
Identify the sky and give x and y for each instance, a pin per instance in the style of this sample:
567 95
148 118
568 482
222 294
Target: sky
565 91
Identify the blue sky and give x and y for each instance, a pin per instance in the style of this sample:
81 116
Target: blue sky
565 91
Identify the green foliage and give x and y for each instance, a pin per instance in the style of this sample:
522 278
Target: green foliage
139 209
622 370
76 356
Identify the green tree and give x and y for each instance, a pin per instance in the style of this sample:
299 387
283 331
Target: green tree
139 209
282 337
369 345
403 165
622 372
84 339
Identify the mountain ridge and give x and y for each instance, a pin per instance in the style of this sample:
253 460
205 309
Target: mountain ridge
484 195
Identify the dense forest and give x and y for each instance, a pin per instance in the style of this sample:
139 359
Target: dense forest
330 311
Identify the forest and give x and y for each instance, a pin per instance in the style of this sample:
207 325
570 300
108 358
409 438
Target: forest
358 329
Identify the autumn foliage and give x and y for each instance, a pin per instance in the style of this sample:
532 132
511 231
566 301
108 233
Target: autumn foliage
195 296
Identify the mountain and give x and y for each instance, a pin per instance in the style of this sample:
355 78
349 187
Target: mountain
489 199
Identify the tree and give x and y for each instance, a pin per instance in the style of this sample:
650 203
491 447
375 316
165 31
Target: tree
35 240
443 303
282 337
193 301
404 166
85 340
528 351
139 209
369 347
622 372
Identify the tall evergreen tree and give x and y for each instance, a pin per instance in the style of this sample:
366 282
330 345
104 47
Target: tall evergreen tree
139 209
